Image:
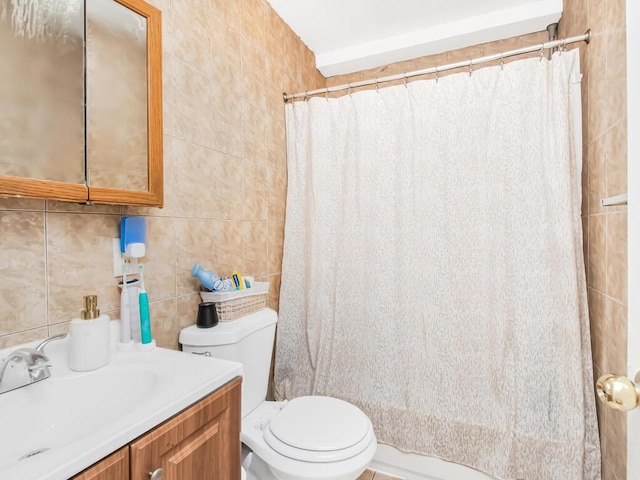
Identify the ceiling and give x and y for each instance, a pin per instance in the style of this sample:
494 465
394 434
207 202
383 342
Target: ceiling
352 35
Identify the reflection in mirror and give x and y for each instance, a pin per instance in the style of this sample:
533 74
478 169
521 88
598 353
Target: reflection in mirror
116 96
42 89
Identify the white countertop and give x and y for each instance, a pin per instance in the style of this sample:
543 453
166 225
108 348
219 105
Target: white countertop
154 386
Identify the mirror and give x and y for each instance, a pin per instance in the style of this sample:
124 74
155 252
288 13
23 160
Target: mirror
116 77
42 91
45 149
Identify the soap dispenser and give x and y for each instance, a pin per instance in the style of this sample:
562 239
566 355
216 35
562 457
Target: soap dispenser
90 338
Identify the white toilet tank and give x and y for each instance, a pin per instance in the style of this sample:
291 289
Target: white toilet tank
248 340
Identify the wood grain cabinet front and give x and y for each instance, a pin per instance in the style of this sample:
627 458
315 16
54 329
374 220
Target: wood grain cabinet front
200 443
113 467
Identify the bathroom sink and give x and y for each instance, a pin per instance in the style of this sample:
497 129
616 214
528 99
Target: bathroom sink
53 413
59 426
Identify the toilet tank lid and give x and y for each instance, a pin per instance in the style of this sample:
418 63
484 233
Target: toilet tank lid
225 333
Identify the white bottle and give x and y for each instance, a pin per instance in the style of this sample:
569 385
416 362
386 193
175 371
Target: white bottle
90 338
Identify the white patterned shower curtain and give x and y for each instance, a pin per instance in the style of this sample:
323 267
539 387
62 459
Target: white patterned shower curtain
433 271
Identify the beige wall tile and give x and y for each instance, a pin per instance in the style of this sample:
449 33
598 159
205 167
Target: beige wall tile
23 292
253 22
53 206
617 159
276 243
19 338
274 292
616 257
168 186
227 187
615 452
253 74
193 180
192 37
160 259
227 62
256 248
254 130
597 252
195 242
614 337
255 191
585 244
187 310
597 319
229 247
192 105
164 325
598 114
231 10
228 128
167 95
21 204
80 262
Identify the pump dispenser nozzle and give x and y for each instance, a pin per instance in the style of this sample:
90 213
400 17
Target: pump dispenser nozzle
91 309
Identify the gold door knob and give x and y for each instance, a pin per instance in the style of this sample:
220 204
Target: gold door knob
618 392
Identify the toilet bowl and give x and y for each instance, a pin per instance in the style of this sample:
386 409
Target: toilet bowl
306 438
310 438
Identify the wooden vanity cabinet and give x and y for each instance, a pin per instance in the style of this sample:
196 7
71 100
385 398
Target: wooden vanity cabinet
200 443
115 466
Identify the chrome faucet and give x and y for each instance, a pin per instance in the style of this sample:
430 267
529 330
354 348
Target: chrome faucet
32 363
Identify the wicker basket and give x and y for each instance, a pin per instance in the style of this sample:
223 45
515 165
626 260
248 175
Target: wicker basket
233 305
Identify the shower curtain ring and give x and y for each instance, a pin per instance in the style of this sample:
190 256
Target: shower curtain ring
326 94
306 96
470 67
404 77
349 87
436 74
501 60
541 52
377 91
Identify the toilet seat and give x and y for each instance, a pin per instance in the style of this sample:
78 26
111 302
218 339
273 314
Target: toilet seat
252 435
319 429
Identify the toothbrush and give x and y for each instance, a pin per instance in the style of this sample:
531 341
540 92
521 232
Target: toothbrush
125 319
143 298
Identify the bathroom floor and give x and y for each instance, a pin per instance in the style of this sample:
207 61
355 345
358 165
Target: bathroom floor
373 475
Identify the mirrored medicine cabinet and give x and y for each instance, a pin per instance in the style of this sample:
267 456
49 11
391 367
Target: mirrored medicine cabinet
81 101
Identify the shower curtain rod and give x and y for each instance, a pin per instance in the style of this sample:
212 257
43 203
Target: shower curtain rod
586 37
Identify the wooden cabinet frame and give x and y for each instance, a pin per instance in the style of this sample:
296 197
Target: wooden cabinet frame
81 193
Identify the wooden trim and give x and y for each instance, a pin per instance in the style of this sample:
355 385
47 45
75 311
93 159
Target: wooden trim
153 197
113 467
20 187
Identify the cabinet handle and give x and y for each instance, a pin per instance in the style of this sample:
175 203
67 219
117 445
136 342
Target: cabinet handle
157 474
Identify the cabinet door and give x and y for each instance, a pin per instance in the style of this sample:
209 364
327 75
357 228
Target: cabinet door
201 443
113 467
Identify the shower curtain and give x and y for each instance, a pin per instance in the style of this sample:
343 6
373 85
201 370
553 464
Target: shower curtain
433 271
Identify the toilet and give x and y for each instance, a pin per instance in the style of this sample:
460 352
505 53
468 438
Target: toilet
306 438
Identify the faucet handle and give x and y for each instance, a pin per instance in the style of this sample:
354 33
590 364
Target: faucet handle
46 342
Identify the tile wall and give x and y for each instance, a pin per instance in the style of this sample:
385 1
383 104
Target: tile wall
226 64
605 151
